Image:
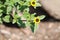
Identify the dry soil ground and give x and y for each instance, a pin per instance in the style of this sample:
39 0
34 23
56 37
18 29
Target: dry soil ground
45 31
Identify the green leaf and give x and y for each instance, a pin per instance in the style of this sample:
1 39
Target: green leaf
14 21
27 3
1 21
18 7
1 14
21 2
16 16
16 1
38 4
42 17
6 18
9 2
22 7
32 16
9 9
1 5
26 10
20 23
1 10
26 15
27 23
35 27
32 25
28 0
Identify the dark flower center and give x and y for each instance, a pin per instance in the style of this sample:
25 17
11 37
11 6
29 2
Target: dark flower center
33 2
37 20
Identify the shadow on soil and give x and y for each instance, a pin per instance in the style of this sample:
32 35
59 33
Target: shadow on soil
11 25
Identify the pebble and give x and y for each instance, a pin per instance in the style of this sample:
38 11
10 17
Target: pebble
46 37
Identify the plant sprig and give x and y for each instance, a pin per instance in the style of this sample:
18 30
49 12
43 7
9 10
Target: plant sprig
6 11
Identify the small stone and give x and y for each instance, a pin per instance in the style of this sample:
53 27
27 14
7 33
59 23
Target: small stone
9 39
59 27
50 25
46 37
31 37
5 32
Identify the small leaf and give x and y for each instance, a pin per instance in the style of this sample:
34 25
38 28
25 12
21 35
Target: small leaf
20 23
26 10
1 14
32 16
38 4
14 21
1 21
11 2
18 7
16 1
28 0
26 15
27 3
21 2
27 23
1 10
9 9
16 16
6 18
22 7
1 5
42 17
32 26
35 27
7 0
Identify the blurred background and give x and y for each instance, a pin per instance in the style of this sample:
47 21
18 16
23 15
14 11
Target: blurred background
48 29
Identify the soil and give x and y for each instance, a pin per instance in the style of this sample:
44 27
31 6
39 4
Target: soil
45 31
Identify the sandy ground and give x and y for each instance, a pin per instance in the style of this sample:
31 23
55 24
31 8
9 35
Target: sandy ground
45 31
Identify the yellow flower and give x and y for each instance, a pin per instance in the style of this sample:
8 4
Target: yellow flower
33 3
37 20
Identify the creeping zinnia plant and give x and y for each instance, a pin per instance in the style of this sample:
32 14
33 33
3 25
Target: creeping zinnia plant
17 12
